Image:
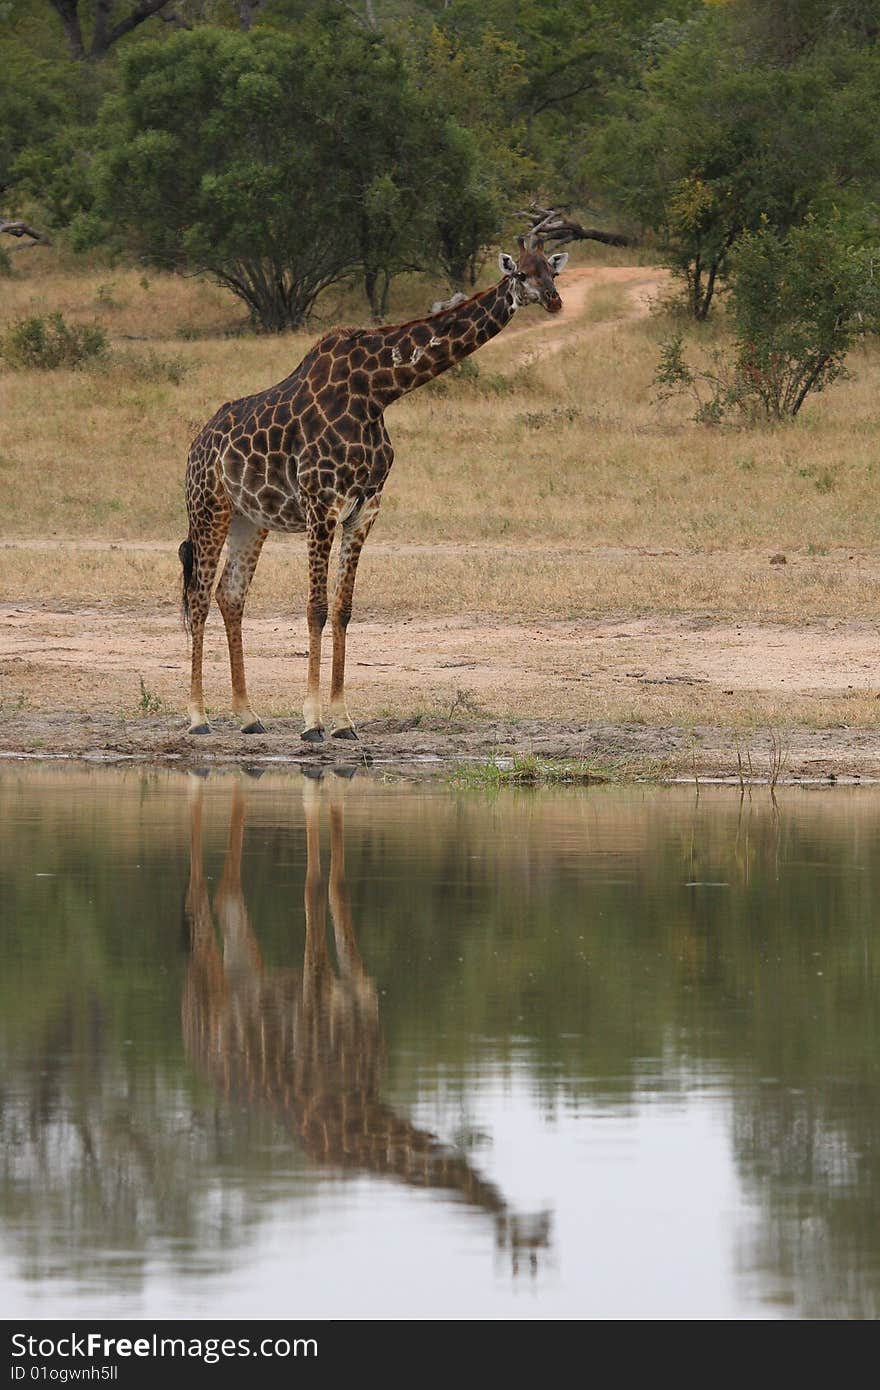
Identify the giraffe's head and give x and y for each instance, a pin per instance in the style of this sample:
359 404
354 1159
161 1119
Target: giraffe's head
533 273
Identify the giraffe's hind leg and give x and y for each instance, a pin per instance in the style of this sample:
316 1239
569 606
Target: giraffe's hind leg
354 533
243 548
207 542
319 535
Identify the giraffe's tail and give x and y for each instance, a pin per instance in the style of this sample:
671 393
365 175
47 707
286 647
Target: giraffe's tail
187 557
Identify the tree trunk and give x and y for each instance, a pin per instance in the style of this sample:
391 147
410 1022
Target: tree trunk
383 299
376 290
69 16
247 13
810 382
100 33
696 278
703 295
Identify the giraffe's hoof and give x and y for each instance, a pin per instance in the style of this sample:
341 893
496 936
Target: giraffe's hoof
255 728
347 732
200 729
313 736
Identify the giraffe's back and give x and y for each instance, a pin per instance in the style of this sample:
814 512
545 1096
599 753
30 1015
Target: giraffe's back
313 439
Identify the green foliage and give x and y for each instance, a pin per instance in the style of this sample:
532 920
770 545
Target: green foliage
51 342
150 702
91 31
481 170
473 203
798 301
56 170
713 141
716 389
383 160
528 770
335 139
280 163
29 103
48 109
212 160
572 56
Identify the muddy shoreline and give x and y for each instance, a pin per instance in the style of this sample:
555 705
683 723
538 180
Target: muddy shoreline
414 749
657 697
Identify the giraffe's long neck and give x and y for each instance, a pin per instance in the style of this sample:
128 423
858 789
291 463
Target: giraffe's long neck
414 353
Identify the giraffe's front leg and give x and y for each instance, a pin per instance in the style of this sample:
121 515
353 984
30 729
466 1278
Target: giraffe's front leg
319 534
206 546
353 536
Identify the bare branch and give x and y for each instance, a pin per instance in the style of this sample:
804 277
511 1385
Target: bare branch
549 224
20 229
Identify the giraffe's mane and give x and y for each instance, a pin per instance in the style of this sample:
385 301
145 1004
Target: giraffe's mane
349 330
339 330
428 318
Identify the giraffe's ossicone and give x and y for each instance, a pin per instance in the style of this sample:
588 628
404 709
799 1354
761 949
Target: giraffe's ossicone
312 455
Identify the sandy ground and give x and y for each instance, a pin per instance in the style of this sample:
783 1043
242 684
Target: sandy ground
70 683
107 685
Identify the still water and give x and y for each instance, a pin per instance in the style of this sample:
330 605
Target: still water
284 1047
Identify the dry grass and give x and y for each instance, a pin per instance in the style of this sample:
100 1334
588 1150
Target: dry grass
551 487
607 302
526 581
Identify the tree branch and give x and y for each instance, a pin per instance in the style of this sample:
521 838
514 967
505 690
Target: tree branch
20 229
555 227
104 39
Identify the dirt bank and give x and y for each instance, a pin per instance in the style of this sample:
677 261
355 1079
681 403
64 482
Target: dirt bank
101 684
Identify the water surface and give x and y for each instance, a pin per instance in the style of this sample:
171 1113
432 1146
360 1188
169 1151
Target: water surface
290 1048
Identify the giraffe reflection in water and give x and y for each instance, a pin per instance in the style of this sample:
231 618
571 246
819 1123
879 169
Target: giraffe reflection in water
307 1044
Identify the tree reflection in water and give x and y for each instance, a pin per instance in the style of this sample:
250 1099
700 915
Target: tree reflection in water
616 954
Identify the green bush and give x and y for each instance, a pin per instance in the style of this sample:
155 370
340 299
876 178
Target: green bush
797 303
50 342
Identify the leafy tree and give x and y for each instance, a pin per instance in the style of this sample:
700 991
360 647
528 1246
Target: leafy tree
380 138
39 96
472 206
709 145
480 170
571 52
281 162
214 161
798 302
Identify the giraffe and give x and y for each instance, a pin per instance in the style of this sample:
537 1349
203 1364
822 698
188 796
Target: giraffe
311 454
306 1045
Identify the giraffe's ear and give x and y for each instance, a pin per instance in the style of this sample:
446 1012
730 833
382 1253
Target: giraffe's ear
558 262
507 264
